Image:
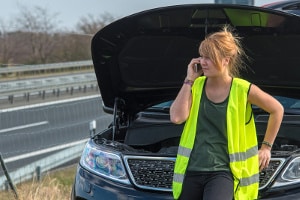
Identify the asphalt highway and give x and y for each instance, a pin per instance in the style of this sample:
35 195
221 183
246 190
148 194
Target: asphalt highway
27 129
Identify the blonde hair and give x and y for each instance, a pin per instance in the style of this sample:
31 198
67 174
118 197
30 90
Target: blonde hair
224 44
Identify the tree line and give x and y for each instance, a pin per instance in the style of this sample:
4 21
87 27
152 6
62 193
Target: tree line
36 38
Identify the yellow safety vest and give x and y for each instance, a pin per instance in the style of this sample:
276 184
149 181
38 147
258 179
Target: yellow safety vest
241 136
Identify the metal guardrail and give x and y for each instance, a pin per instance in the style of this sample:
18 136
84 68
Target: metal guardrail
43 88
25 88
26 68
43 165
39 84
66 153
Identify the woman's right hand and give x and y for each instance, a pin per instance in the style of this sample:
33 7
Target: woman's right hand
192 73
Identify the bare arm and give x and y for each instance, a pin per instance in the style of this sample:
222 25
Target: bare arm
275 109
180 109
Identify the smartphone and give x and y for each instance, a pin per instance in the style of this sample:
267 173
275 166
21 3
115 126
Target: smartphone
197 67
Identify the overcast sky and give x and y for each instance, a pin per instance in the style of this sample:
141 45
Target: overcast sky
70 11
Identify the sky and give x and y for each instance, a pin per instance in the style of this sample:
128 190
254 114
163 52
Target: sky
69 12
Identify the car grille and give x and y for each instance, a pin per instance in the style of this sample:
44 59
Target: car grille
154 173
270 172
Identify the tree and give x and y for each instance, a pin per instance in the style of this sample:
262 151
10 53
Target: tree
9 44
90 24
36 39
74 46
39 28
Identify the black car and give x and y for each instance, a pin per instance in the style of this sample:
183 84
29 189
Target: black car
289 6
140 62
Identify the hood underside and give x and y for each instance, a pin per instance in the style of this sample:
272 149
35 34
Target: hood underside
142 59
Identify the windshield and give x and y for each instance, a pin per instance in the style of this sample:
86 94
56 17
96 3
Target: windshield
289 103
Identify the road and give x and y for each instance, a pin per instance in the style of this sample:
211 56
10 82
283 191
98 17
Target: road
35 128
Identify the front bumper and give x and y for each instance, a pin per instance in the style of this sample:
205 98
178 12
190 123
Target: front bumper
90 187
289 194
294 196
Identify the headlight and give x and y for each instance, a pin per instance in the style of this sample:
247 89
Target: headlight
290 175
103 163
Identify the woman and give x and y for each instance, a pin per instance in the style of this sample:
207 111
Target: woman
218 155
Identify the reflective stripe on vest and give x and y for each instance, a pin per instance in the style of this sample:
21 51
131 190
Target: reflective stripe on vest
243 153
242 156
249 180
184 151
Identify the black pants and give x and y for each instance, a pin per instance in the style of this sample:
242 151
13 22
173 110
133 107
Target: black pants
207 186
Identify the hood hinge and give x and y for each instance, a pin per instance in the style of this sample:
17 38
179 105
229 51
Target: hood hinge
118 115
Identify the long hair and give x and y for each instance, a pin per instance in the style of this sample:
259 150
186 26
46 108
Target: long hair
223 44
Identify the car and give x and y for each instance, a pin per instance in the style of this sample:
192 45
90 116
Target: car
289 6
140 63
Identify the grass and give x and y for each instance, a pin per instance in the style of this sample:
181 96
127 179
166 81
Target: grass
53 186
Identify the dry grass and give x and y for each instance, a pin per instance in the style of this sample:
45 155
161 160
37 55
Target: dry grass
53 186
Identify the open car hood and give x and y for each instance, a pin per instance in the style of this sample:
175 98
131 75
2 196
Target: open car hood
142 59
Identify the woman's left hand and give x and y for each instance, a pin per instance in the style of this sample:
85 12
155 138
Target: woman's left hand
264 155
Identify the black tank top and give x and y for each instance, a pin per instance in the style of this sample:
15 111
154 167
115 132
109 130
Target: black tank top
210 148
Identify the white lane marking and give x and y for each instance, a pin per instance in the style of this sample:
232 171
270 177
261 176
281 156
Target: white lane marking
48 150
23 126
48 103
